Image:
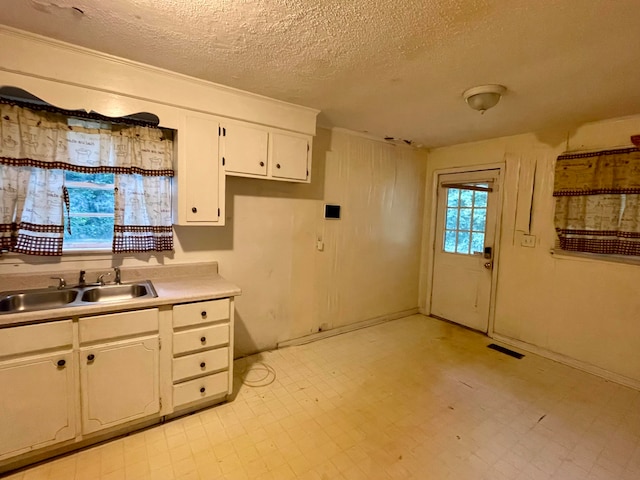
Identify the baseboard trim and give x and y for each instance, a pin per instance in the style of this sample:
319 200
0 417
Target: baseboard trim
571 362
346 328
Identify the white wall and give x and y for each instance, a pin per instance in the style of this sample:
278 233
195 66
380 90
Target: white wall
370 263
587 310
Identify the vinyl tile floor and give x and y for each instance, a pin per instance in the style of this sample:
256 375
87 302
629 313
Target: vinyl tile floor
415 398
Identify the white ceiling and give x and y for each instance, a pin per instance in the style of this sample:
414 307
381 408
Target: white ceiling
387 67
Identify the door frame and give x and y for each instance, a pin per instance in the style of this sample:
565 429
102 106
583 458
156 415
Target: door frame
501 167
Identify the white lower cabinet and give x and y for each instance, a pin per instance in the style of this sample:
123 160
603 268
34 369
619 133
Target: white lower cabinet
37 406
119 382
69 380
202 351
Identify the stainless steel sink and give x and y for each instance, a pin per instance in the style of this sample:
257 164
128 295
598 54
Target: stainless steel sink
117 293
48 298
42 299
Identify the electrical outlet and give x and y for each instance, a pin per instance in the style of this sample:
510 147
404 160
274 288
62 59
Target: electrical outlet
528 241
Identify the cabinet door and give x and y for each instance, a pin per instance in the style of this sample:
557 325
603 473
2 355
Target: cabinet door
37 406
119 382
244 149
201 169
288 156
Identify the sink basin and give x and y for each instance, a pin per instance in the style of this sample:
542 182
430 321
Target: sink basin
117 293
36 300
47 298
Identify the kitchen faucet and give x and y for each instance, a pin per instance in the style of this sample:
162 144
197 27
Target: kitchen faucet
82 279
117 280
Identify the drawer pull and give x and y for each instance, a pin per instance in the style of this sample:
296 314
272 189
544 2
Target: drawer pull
61 363
202 389
203 339
194 210
91 357
202 365
262 164
277 165
203 314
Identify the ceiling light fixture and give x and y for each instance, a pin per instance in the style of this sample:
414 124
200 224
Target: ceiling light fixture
483 97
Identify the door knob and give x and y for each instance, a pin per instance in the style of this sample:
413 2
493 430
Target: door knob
488 265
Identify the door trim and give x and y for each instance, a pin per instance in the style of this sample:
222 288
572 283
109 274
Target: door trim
501 166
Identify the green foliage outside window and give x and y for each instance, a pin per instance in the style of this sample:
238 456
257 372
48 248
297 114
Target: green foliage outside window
91 201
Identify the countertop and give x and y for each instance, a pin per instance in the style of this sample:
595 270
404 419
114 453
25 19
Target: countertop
174 284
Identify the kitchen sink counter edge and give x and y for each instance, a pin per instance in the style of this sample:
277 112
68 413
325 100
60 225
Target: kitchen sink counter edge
203 284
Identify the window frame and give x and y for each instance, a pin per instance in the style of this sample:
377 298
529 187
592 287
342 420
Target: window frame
98 247
475 187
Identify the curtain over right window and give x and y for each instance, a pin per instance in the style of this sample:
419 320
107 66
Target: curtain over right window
598 202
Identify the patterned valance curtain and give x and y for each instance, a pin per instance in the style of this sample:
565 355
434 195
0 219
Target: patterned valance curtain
598 202
142 219
35 149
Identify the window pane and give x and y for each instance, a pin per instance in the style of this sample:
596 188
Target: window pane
477 242
99 178
450 241
466 198
90 230
465 219
479 219
463 242
452 218
480 199
452 197
88 200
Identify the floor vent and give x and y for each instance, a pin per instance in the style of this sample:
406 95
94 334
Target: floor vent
506 351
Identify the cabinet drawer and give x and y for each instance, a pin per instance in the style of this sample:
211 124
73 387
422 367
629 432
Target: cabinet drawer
116 325
200 338
200 312
200 363
32 338
201 388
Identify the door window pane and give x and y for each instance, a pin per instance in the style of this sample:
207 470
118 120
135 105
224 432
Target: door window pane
466 198
477 242
465 221
450 241
479 219
480 199
452 197
452 218
462 245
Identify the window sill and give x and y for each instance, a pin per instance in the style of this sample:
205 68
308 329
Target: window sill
594 257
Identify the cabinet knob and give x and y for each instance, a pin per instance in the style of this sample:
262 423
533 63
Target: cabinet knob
91 357
262 164
277 165
202 365
61 363
202 389
203 313
203 339
194 209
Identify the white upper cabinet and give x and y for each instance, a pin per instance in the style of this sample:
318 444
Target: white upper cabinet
290 156
243 149
260 152
199 198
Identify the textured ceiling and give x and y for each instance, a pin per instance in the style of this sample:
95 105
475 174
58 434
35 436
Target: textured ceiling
387 67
